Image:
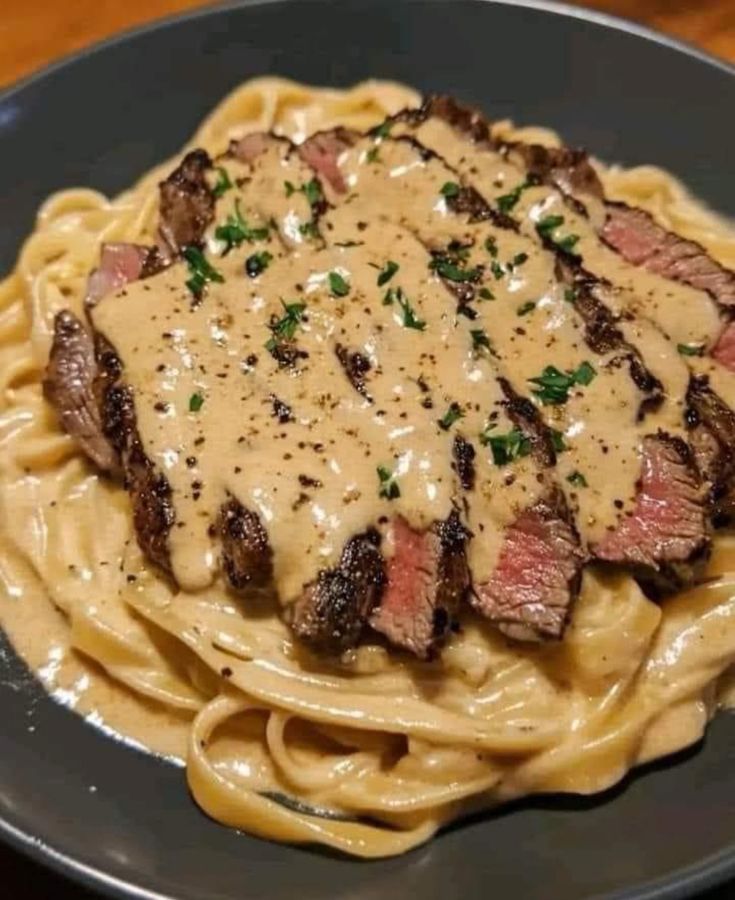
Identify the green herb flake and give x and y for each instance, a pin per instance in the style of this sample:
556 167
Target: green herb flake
450 189
549 224
383 130
338 287
223 182
570 294
236 230
491 246
690 349
519 259
309 229
389 488
451 271
312 191
373 155
568 243
505 447
196 402
387 272
284 329
497 270
410 320
453 414
289 187
480 340
388 297
525 308
506 202
577 479
257 263
553 385
557 439
485 294
201 271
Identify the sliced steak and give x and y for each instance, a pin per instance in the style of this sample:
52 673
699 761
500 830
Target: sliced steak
187 204
712 437
427 579
120 263
667 530
640 240
332 612
322 150
464 462
538 572
69 386
247 559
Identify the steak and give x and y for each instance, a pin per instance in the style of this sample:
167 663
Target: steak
247 559
712 436
427 577
120 263
69 386
332 612
186 204
537 572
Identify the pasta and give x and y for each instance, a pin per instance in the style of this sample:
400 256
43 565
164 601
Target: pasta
373 752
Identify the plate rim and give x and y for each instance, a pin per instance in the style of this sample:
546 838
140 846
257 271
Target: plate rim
681 883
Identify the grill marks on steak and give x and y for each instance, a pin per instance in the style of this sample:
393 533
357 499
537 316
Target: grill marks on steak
712 436
69 386
247 559
332 612
427 577
187 204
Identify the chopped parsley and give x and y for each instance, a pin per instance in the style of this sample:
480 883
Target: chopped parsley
506 202
690 349
389 296
337 285
553 385
387 272
450 189
236 230
546 228
223 182
309 229
491 246
290 188
284 329
258 263
577 479
448 269
373 155
519 259
410 319
312 190
480 340
497 270
525 308
505 447
201 271
389 488
383 130
570 294
485 294
196 402
452 415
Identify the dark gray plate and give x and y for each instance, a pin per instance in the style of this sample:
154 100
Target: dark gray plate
102 118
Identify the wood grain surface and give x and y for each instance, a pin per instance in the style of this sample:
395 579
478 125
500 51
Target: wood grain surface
35 32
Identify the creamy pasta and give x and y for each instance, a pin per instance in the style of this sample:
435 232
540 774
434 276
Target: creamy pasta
372 752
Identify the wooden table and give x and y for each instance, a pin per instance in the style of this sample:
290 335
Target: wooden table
34 32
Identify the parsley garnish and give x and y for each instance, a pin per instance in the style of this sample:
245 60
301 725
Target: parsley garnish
577 479
200 270
485 294
258 263
382 131
506 202
480 340
309 229
337 285
690 349
519 259
525 308
497 269
223 182
290 189
491 246
389 296
505 447
284 329
236 230
570 294
312 191
196 402
409 316
387 272
548 225
451 271
453 413
553 385
450 189
373 155
388 485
